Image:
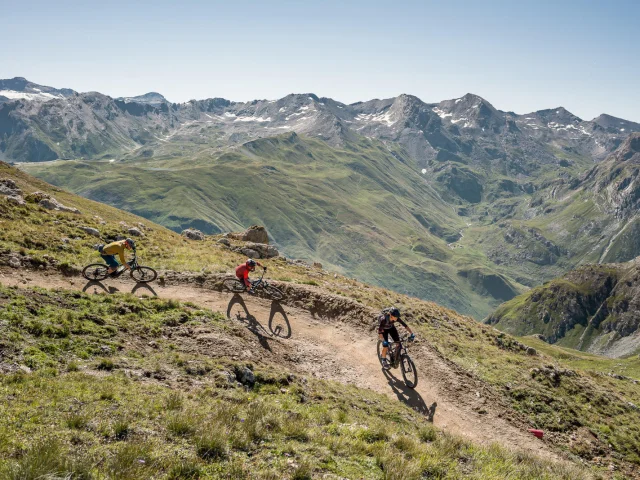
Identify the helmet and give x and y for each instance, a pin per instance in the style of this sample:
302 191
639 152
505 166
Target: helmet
251 263
394 311
131 243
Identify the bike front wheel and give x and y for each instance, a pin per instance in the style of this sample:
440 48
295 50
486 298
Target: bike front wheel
409 372
233 285
95 272
143 274
273 292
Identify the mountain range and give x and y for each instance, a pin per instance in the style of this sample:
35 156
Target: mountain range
455 201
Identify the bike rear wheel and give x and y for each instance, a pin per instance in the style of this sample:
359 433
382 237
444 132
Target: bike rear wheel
95 272
233 285
273 292
143 274
409 372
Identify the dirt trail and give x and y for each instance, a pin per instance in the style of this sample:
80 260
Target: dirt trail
341 352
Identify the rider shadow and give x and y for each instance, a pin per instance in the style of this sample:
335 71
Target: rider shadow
409 396
249 321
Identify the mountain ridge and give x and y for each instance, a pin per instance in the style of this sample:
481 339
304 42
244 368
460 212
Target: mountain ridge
477 193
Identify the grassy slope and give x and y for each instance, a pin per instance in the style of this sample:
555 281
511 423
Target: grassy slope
102 402
588 399
362 208
562 309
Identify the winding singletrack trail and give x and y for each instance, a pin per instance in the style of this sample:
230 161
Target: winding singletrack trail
336 351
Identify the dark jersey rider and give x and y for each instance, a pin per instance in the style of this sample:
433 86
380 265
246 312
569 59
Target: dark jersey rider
386 327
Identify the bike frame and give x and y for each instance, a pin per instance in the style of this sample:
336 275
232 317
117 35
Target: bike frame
259 282
397 349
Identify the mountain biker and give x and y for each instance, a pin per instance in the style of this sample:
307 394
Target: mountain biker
386 327
108 253
242 272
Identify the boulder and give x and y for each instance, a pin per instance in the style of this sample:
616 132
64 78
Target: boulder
36 197
9 187
224 241
265 251
317 265
135 232
250 252
15 200
48 202
245 376
193 234
15 262
255 233
91 231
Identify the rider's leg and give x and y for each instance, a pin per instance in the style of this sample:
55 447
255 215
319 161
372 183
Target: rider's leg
385 335
383 360
396 338
111 261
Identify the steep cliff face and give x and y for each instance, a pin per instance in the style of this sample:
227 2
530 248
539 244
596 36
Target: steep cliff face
595 308
617 178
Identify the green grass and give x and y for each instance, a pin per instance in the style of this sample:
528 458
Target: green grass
60 423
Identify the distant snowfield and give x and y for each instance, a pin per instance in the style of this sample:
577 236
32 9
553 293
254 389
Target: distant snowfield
13 95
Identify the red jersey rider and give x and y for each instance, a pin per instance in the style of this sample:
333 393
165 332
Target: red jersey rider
242 272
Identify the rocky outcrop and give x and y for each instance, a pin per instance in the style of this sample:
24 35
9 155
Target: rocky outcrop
91 231
255 233
8 187
47 201
16 200
595 308
193 234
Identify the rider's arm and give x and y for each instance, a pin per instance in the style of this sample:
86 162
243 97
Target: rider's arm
123 260
381 328
405 325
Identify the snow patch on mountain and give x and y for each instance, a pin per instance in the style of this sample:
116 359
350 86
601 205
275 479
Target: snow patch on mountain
13 95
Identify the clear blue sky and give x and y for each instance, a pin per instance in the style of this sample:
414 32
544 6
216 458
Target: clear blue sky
521 56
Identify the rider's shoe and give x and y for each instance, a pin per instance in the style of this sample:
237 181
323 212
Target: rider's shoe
385 364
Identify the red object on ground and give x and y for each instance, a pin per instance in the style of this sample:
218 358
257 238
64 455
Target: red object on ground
537 433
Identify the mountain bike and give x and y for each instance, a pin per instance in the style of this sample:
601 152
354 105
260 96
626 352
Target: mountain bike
235 285
100 271
398 355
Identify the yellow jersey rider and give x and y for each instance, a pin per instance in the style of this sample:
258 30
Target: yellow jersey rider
109 252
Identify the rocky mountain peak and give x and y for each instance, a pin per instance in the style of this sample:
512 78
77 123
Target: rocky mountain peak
151 98
616 125
19 88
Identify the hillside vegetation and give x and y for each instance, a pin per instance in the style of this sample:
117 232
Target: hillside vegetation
587 407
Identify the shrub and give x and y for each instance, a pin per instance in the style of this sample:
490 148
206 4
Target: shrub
106 364
174 401
182 424
77 421
185 469
211 445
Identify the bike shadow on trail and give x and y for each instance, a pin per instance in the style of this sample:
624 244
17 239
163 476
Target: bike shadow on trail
279 325
96 284
144 286
409 396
